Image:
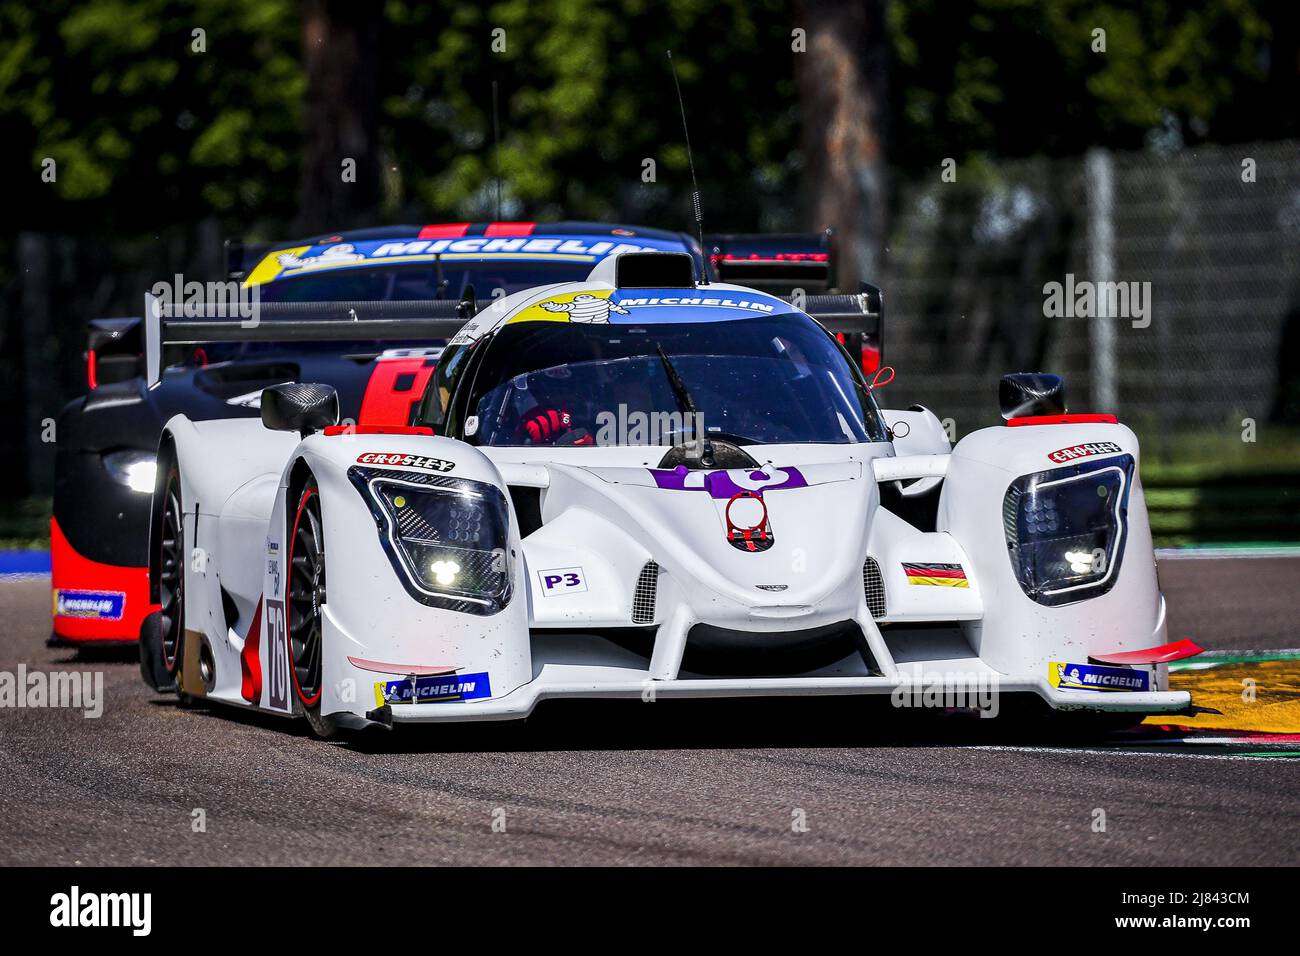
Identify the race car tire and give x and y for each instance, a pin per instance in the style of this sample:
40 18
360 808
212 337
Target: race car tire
151 661
170 644
305 598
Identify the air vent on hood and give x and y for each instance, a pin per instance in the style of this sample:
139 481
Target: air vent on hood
646 594
874 585
654 270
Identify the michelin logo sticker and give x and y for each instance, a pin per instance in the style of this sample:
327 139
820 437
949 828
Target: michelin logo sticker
442 689
93 605
537 246
595 309
1095 677
599 307
344 255
711 302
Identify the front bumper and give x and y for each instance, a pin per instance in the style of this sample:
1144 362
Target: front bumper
579 666
520 702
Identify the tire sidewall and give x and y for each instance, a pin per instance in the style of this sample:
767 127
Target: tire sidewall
173 668
321 726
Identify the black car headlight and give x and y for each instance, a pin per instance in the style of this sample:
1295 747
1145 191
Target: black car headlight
1066 529
448 538
136 470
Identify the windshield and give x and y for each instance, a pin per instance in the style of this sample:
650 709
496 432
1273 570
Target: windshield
768 380
417 282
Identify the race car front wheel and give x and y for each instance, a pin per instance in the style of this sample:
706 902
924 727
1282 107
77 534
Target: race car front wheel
306 600
164 546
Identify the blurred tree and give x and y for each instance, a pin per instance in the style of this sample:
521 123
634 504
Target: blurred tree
340 183
1018 77
148 129
843 91
148 121
586 97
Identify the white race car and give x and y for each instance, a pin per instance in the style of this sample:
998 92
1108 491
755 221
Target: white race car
646 486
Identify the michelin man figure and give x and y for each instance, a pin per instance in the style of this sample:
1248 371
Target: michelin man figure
587 309
334 255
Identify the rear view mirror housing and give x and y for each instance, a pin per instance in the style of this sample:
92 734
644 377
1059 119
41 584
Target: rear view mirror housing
303 407
1025 394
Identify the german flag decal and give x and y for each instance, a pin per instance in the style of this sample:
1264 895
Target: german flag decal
941 575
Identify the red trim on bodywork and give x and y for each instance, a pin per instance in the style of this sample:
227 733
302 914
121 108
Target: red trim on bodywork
1176 651
92 371
250 659
870 360
331 430
870 356
385 667
930 571
72 571
384 403
510 229
1064 420
446 230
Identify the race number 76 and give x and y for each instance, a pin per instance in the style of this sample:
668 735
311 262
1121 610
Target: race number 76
277 656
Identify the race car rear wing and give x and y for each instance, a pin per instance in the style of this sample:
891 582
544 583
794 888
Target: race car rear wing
860 319
113 349
208 322
205 323
778 263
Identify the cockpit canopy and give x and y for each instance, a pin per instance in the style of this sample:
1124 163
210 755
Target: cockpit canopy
649 367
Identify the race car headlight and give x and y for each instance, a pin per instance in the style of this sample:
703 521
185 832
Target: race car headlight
135 469
1066 528
447 538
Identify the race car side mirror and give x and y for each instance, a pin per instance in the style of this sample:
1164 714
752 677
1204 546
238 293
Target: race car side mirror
1021 394
302 407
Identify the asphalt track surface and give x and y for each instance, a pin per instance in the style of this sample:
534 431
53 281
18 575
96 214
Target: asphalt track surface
677 782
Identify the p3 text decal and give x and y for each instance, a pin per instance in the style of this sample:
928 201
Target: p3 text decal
562 581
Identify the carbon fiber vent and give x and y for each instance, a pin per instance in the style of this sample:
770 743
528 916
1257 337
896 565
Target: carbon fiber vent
874 586
647 590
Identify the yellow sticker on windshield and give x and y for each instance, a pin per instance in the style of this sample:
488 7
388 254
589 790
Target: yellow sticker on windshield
588 308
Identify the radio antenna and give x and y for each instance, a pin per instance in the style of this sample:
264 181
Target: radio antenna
496 146
690 159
